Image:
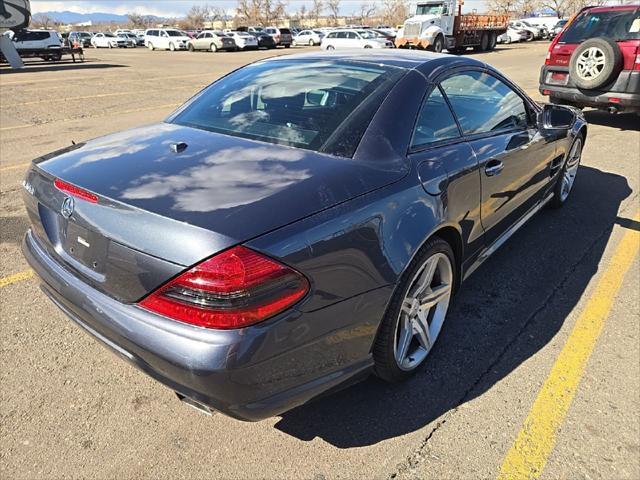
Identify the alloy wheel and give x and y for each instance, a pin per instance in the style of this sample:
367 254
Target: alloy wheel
423 311
571 169
590 63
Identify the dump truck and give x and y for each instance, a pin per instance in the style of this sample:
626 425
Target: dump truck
439 24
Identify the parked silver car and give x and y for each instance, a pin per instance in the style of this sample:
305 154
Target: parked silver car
211 40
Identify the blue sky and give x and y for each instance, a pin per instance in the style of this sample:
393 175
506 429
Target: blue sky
177 8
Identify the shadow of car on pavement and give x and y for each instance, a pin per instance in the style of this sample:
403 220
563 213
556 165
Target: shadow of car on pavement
505 313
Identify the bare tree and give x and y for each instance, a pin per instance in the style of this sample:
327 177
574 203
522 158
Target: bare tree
394 12
196 16
503 7
264 12
367 10
334 11
316 10
301 14
43 21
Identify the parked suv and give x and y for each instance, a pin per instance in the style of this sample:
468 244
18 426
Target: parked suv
595 60
165 39
282 36
46 44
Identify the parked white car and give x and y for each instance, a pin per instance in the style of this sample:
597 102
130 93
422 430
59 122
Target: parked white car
308 37
340 39
165 39
536 32
37 43
244 40
513 36
109 40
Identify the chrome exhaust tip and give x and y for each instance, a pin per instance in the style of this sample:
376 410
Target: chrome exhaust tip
195 404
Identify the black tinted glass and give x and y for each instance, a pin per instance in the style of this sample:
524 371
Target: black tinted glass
297 103
435 121
483 103
616 24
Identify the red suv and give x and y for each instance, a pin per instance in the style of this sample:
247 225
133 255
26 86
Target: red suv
595 60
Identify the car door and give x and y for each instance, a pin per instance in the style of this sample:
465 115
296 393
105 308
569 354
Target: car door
163 40
448 168
514 159
200 42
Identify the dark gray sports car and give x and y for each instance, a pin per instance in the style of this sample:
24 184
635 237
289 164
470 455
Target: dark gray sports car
299 222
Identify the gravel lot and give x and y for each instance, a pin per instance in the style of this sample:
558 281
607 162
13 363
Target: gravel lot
71 409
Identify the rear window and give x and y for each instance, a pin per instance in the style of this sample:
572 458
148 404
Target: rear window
305 104
285 31
616 24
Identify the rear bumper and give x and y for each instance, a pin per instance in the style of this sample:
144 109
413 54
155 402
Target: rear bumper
626 89
248 374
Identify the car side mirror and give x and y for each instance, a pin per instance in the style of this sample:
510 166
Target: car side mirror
556 117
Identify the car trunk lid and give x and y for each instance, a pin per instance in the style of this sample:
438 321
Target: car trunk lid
169 196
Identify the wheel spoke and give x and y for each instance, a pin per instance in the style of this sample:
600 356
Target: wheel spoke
404 340
426 277
407 305
434 295
421 328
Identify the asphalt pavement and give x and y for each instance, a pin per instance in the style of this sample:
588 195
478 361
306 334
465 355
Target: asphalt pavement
536 373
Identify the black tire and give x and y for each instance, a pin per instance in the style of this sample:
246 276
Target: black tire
385 365
493 40
213 48
368 46
484 43
330 47
559 199
457 50
530 36
613 61
287 45
438 45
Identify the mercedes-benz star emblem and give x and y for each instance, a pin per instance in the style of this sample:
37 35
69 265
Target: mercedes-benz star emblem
67 207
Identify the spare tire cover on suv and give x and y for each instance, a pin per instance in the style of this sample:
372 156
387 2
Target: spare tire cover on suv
595 63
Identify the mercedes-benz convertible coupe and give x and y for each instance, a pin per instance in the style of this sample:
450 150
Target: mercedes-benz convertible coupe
298 223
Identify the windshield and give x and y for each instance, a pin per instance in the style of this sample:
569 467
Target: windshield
175 33
434 9
616 24
297 103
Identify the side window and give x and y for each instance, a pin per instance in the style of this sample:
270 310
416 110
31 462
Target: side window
352 35
341 35
435 121
483 103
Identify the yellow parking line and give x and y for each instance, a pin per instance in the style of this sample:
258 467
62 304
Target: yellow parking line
14 167
535 441
16 127
16 277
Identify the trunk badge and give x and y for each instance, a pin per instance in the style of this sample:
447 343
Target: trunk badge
67 207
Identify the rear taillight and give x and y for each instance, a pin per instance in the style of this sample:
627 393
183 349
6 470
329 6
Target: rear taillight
547 60
636 65
75 191
233 289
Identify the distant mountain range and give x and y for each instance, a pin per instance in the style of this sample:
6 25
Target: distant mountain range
97 17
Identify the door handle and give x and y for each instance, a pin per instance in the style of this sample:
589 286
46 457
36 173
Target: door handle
493 168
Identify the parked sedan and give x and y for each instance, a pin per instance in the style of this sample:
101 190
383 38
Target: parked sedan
264 40
211 40
308 37
338 39
302 221
244 40
512 35
109 40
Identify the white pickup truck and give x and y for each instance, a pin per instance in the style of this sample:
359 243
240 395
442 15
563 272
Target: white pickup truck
439 24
